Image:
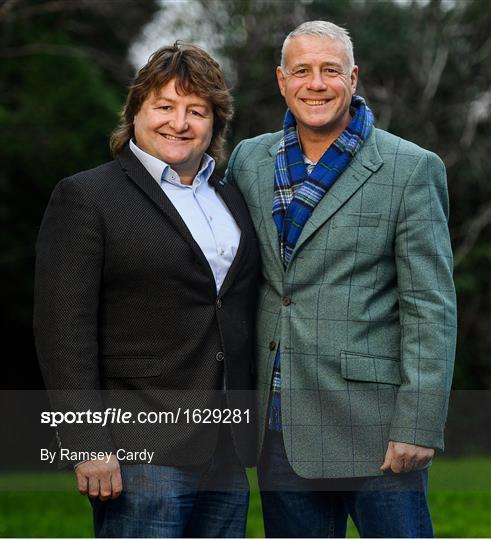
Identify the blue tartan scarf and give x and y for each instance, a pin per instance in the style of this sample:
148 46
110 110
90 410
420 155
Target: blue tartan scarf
297 193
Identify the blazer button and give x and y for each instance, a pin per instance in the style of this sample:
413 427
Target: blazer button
219 303
286 301
272 345
220 356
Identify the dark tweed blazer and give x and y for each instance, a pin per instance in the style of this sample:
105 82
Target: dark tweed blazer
127 315
365 312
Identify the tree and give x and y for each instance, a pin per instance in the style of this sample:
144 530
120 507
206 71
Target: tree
63 67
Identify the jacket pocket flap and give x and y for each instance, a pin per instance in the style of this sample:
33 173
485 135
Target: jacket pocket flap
356 219
370 368
131 367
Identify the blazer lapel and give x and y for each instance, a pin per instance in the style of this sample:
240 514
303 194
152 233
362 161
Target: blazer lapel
265 176
141 177
232 198
361 167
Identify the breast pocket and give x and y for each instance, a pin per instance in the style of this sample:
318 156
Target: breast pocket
356 219
358 232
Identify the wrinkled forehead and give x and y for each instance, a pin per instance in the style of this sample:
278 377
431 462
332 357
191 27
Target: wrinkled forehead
309 50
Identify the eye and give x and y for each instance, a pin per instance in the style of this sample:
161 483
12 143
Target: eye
197 113
331 72
300 72
164 108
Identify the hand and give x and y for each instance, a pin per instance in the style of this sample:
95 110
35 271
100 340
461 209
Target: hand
100 479
403 457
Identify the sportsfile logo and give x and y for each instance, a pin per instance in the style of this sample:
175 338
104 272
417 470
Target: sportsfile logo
109 416
118 416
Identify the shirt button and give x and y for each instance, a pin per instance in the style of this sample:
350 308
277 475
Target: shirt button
286 301
219 302
220 356
272 345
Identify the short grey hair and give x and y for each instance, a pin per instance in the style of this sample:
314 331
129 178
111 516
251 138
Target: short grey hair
322 29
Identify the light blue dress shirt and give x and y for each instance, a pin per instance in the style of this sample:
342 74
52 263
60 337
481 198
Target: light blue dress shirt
203 211
309 164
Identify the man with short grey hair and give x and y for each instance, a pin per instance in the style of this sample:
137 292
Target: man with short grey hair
323 30
357 316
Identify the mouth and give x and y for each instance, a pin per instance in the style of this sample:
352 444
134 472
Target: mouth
316 102
170 137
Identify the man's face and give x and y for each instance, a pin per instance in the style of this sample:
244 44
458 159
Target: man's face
175 128
317 84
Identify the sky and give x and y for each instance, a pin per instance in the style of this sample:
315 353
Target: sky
180 19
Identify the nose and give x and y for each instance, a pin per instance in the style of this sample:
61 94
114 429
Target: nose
316 82
179 122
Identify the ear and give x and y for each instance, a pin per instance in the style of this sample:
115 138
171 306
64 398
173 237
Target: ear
280 77
354 79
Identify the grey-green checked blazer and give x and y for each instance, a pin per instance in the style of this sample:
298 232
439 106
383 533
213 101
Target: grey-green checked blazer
365 313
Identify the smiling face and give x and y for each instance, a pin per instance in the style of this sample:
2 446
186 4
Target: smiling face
175 128
317 85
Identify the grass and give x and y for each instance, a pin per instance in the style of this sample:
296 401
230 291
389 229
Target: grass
47 504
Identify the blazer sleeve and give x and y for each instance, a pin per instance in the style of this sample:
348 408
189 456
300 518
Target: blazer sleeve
69 263
229 176
427 306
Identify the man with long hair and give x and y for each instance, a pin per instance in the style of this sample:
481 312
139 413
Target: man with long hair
145 293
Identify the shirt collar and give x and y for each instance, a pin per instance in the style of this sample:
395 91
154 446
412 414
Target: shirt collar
308 163
162 171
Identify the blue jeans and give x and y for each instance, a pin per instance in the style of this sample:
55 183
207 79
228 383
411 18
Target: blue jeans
388 506
201 501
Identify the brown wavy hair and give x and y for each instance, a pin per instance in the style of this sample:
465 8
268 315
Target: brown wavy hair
195 72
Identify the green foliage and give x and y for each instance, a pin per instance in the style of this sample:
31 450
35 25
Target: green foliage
60 116
474 286
63 70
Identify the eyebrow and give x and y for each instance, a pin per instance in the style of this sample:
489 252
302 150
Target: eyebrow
170 100
334 64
